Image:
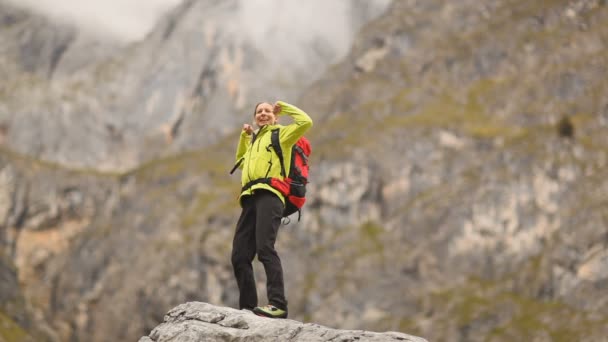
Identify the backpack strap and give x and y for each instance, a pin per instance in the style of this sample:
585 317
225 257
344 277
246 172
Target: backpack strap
301 153
238 163
276 146
254 182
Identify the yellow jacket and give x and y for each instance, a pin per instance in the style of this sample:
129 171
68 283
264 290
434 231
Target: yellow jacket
260 160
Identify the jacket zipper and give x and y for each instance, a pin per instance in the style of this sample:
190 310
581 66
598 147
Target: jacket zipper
269 165
258 145
258 150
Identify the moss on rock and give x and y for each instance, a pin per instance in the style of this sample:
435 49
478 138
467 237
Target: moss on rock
11 331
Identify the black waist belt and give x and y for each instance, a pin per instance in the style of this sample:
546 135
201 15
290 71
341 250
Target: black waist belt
254 182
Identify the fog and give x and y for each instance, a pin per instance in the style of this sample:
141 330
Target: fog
285 28
126 20
262 21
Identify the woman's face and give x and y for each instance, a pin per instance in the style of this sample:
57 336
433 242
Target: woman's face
264 115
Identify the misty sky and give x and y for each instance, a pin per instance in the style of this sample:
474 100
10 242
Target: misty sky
126 20
130 20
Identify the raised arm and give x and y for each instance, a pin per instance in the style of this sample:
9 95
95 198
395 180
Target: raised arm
302 123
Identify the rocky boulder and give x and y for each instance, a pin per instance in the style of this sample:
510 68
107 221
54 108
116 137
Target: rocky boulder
197 321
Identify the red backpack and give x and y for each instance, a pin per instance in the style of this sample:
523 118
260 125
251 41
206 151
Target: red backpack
293 186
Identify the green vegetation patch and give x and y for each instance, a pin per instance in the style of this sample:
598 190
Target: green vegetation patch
33 165
469 116
11 331
512 316
202 202
468 113
370 235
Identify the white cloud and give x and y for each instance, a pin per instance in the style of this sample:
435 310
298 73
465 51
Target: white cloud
284 27
294 28
126 20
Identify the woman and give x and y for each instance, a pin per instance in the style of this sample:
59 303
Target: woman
262 205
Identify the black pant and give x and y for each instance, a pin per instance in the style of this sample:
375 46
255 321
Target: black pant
256 232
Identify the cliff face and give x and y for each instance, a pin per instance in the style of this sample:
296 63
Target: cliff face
89 103
473 185
458 188
475 190
14 320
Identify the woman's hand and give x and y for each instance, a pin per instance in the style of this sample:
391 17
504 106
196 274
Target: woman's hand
247 129
277 108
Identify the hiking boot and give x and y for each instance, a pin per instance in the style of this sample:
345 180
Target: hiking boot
270 311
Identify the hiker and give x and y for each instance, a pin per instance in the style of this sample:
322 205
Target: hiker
262 205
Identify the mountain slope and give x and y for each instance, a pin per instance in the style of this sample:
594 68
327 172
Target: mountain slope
455 109
458 192
176 90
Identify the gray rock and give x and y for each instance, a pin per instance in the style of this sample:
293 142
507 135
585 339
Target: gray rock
490 231
115 107
198 322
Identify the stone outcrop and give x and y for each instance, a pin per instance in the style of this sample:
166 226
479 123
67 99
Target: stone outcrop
197 322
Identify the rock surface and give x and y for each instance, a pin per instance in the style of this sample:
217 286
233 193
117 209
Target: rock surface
199 70
15 320
198 322
444 201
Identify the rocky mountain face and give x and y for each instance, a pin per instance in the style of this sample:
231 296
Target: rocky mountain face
13 316
196 321
85 103
458 188
481 171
